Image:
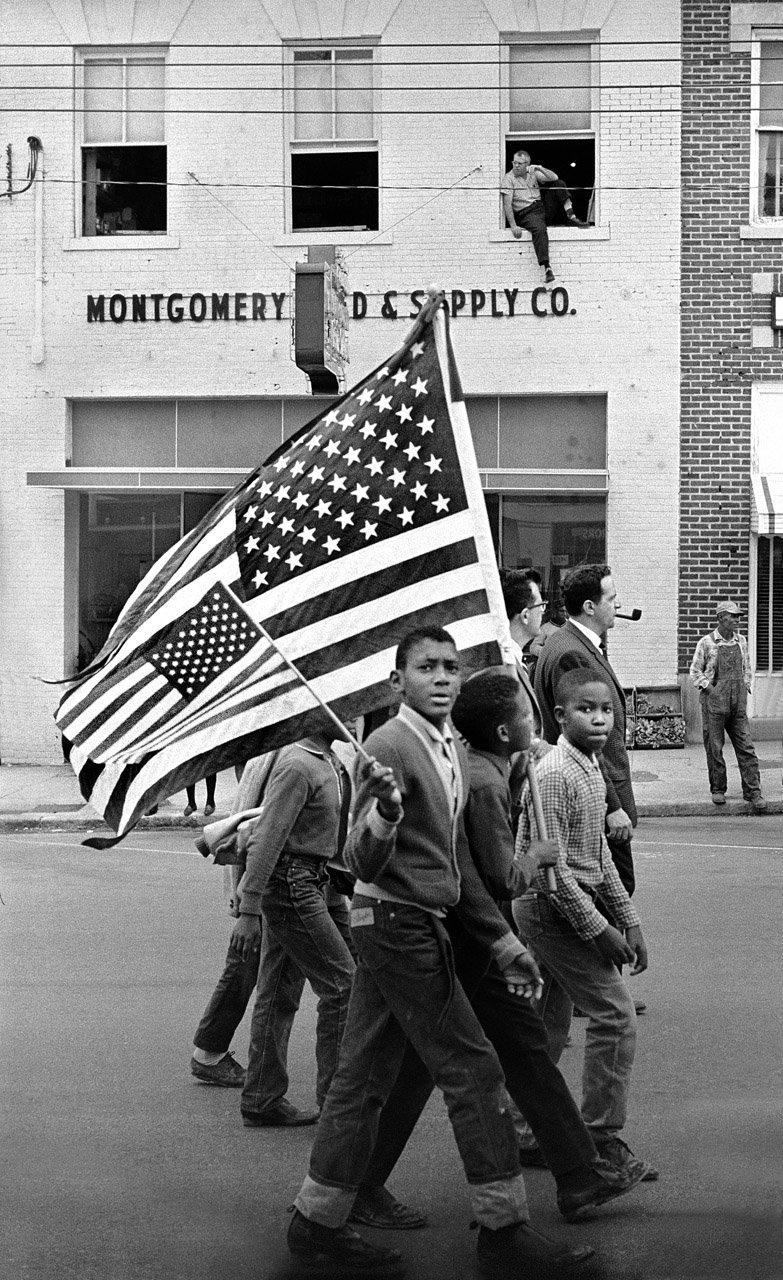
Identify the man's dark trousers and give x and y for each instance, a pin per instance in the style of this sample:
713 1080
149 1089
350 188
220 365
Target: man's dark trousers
533 220
517 1033
406 988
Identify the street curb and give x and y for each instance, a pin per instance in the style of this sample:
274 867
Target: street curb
704 809
41 821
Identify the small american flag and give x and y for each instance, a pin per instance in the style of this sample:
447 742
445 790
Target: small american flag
368 522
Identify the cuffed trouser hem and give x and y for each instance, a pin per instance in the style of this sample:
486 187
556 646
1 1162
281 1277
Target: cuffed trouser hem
499 1204
328 1206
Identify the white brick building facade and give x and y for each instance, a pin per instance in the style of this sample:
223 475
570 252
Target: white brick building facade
228 230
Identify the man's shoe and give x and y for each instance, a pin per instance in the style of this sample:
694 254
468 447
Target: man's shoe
377 1207
283 1115
606 1183
226 1074
758 804
339 1251
519 1251
718 797
618 1154
640 1006
549 276
577 222
532 1157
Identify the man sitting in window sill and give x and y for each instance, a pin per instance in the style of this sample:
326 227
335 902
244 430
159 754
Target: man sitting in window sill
523 204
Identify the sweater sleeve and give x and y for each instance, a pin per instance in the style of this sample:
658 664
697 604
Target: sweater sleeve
287 793
372 841
479 912
491 841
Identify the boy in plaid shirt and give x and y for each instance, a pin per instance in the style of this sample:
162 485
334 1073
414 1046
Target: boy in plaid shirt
576 944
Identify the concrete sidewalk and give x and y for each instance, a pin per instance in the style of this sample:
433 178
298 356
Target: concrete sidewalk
667 783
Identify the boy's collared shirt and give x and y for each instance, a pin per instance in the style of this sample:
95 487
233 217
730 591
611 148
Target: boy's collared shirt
573 797
705 659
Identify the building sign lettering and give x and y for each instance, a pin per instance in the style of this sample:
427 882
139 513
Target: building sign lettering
496 304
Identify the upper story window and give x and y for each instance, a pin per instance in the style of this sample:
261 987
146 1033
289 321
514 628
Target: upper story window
551 91
123 151
334 147
768 116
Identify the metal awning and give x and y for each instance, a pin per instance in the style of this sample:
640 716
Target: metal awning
131 479
128 479
767 503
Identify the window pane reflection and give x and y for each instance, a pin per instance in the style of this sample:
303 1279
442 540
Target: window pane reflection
120 538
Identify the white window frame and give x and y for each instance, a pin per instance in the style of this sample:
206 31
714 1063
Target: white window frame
104 53
588 38
759 37
317 146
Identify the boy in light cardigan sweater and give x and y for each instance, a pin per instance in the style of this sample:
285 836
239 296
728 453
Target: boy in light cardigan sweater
409 853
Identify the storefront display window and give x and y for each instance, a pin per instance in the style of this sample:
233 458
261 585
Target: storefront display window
120 538
548 533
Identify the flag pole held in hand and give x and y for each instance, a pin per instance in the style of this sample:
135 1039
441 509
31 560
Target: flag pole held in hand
344 733
538 814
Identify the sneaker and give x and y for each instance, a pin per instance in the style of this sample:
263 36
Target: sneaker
377 1207
226 1074
549 276
618 1154
339 1251
283 1115
605 1183
718 797
519 1250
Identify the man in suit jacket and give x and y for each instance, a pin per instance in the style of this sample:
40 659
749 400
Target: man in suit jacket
591 601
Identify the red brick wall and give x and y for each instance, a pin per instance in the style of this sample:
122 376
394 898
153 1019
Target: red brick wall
718 361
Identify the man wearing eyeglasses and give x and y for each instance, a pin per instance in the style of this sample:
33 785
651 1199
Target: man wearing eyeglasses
525 609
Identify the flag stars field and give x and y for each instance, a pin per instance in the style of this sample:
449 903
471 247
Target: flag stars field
347 436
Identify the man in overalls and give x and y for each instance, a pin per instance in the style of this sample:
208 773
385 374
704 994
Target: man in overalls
721 672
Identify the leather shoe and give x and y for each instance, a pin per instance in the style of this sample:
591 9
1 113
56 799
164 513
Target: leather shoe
283 1115
377 1207
519 1250
339 1251
718 797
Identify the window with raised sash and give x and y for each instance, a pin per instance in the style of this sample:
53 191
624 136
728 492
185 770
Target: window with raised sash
551 115
123 149
333 139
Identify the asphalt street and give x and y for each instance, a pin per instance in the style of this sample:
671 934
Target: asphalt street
117 1165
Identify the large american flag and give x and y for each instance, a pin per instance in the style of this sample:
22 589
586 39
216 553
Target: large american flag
369 522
